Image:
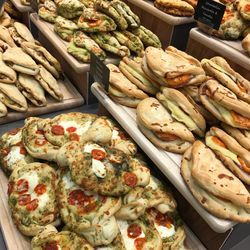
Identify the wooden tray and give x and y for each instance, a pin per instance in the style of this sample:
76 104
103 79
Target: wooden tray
71 99
21 8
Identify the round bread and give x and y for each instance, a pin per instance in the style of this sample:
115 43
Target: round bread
12 150
35 142
140 231
104 170
139 199
32 198
67 127
87 213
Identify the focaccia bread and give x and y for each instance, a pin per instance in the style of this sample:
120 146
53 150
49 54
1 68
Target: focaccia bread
35 142
140 232
87 213
32 198
170 228
50 238
154 195
107 8
213 185
47 11
69 8
95 167
12 151
129 40
230 152
159 127
67 127
94 21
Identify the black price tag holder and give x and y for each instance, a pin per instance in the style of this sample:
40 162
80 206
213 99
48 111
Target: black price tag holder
209 13
34 30
99 72
34 5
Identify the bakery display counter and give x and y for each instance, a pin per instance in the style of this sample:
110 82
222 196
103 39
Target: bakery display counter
167 27
168 163
201 45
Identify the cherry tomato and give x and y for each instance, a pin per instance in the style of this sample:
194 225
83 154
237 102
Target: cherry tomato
24 199
14 131
22 186
74 137
130 179
103 199
71 129
40 142
139 243
40 132
57 130
51 246
98 154
31 206
90 207
23 151
134 231
77 197
247 8
40 189
10 187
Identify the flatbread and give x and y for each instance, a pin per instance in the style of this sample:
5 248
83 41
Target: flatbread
160 128
219 207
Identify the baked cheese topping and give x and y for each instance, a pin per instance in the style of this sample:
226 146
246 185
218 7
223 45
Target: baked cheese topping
165 232
115 135
79 129
13 139
98 153
129 242
152 183
14 156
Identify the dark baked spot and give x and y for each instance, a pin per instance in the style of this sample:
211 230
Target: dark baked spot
221 176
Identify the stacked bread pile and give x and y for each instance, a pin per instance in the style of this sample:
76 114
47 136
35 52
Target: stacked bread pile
82 171
27 70
206 101
98 26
